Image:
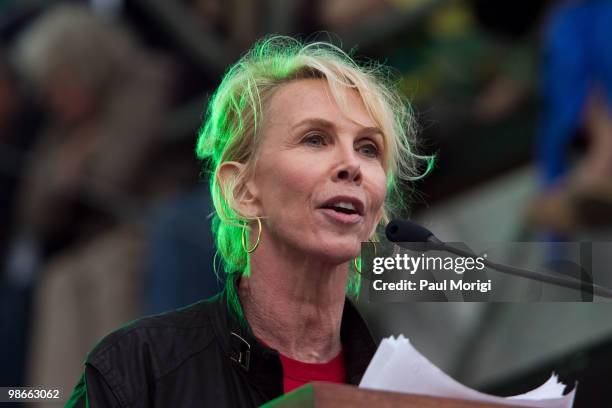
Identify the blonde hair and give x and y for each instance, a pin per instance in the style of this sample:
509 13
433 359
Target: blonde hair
232 128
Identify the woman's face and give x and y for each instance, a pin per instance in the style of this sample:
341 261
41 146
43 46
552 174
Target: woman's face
319 182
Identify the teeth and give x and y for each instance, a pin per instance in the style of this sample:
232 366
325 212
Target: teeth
348 206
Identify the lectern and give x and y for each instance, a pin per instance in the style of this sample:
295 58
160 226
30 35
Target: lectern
326 395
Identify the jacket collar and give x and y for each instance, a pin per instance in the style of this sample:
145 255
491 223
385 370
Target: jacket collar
262 365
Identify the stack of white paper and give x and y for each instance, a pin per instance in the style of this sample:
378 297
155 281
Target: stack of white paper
399 367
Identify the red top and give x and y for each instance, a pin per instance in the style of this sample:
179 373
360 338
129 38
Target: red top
297 373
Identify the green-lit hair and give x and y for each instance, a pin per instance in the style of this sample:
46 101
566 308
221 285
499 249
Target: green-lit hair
232 127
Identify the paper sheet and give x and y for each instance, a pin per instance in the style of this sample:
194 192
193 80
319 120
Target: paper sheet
398 366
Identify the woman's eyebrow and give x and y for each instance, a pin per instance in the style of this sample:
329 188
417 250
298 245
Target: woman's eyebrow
370 131
323 123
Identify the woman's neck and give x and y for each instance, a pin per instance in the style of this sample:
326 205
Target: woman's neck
295 305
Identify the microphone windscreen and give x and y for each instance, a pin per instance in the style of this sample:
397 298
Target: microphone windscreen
406 231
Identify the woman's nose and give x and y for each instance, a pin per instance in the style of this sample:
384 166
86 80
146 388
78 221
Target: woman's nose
348 167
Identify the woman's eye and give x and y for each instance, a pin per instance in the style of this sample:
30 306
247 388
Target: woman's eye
315 140
369 150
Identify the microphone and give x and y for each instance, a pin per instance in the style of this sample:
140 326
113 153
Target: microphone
406 233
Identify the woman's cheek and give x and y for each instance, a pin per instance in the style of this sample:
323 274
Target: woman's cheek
381 187
378 199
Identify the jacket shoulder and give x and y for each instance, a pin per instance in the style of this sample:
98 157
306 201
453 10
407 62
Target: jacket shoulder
148 348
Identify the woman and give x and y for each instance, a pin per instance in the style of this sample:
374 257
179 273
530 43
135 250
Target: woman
305 147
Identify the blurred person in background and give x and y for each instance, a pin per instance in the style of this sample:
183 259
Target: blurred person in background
76 237
576 95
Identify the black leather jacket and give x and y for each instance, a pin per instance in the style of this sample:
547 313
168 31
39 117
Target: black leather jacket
198 356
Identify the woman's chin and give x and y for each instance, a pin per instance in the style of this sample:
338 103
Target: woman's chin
338 254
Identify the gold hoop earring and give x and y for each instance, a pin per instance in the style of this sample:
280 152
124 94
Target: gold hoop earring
243 238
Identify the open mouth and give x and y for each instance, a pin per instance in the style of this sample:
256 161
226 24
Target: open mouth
345 206
342 208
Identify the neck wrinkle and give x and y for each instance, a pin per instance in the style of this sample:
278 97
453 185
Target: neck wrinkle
295 308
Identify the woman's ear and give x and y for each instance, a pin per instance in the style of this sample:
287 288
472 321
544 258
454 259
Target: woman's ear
237 189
